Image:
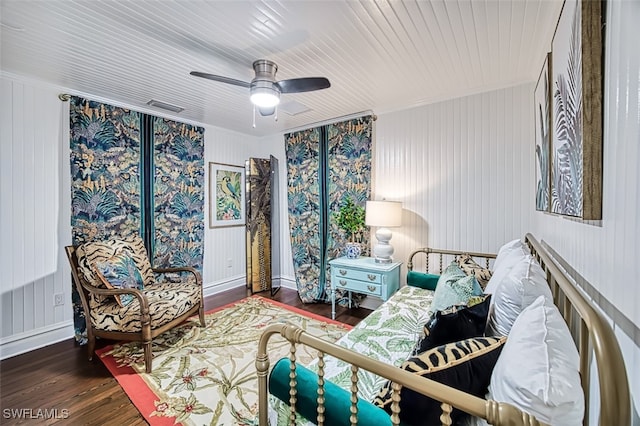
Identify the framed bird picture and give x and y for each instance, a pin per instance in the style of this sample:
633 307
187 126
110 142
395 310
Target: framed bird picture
226 195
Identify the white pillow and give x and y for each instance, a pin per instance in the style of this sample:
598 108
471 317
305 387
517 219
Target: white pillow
509 254
507 249
523 283
538 369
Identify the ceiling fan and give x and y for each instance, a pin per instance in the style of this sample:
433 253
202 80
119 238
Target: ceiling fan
265 90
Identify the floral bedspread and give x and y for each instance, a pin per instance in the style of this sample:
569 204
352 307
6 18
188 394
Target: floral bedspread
388 334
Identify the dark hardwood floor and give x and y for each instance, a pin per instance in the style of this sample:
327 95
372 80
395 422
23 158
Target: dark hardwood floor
59 378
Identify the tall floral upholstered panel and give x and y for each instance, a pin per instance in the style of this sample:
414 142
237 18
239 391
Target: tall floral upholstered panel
325 165
178 194
348 176
305 208
132 173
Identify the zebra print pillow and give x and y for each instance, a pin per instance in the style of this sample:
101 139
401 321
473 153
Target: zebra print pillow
95 251
465 365
470 267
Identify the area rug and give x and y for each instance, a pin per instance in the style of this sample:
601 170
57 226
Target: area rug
207 376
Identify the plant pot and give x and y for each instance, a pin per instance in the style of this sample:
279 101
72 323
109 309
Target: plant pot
352 250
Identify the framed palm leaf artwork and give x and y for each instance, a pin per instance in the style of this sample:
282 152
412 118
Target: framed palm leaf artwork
576 153
226 195
542 103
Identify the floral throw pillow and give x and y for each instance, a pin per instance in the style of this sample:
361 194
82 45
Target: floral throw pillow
120 271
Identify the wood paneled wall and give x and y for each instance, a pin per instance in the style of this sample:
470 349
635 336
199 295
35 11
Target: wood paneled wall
463 170
34 216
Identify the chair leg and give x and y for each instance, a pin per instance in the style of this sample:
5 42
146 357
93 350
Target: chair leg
91 343
201 315
147 356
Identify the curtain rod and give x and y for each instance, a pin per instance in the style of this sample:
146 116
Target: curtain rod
333 120
64 97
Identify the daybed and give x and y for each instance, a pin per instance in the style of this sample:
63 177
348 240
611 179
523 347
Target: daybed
533 372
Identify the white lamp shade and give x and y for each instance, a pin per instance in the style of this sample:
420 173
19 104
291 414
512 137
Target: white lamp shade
383 213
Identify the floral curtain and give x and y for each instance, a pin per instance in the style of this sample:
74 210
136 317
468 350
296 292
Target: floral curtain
134 173
325 165
178 194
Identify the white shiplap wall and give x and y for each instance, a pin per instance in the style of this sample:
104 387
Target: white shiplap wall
463 170
228 244
34 216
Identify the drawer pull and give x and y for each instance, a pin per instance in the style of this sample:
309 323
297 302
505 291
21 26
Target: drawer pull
343 282
343 272
371 288
372 277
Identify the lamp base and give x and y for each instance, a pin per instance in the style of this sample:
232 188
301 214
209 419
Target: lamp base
382 251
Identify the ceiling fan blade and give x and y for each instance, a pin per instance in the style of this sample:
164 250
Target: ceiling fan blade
267 111
221 79
305 84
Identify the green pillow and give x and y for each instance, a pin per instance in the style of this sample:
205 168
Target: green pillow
422 280
337 400
454 288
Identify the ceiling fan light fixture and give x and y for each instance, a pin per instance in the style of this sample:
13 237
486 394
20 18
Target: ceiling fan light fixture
264 94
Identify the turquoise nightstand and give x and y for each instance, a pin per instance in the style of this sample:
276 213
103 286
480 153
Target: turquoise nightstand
363 275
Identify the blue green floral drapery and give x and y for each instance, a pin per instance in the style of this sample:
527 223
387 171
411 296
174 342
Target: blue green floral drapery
325 165
135 173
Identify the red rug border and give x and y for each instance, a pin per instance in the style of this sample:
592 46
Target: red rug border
127 377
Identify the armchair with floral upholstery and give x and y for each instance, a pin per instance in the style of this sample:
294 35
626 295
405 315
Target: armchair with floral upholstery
123 300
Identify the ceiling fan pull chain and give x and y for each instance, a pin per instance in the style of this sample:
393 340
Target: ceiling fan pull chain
276 117
254 116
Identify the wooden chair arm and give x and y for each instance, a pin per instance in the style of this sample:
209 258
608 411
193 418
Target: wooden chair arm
190 269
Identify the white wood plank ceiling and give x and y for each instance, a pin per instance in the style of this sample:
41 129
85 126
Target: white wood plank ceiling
380 55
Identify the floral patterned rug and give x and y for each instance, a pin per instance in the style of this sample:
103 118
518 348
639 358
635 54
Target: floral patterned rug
206 376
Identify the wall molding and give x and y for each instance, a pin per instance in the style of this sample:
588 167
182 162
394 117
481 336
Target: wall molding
209 289
18 344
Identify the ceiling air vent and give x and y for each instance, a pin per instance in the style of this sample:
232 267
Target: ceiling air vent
293 108
165 105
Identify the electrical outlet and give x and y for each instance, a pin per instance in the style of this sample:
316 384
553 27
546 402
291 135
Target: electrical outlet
58 299
229 263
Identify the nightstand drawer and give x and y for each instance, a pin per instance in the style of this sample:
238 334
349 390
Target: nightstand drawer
354 274
359 286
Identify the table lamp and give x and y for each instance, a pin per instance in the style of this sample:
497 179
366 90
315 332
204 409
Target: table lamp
383 214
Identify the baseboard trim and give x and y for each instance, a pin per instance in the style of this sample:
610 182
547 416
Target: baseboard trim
209 289
288 282
18 344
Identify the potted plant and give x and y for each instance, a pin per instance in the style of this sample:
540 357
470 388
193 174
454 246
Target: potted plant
351 220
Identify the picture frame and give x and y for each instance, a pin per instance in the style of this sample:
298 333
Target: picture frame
542 110
577 89
226 195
